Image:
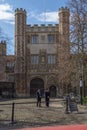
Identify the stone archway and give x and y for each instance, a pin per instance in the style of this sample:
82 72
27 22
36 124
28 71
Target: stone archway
53 91
35 84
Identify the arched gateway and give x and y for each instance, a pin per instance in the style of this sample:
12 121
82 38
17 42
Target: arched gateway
35 84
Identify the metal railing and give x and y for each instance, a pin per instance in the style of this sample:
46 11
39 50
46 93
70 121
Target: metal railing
16 112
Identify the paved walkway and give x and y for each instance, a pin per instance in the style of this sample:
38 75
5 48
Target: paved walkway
68 127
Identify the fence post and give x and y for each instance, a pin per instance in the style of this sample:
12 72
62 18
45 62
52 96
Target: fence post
12 117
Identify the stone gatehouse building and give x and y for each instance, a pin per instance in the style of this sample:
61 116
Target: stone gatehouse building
40 51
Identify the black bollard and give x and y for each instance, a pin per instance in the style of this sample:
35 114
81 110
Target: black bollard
12 118
67 105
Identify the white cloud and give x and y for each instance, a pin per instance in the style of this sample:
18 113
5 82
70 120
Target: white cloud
10 22
6 13
48 16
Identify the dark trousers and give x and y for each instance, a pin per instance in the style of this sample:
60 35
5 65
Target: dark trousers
39 102
47 102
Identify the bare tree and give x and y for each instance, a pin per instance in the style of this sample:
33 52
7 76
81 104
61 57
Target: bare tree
74 66
79 24
78 34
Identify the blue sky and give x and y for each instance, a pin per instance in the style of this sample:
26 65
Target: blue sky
38 12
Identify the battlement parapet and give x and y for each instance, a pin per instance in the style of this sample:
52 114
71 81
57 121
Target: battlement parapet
42 27
3 42
64 9
20 10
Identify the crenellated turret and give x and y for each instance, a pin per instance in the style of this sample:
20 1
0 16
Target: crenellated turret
64 43
20 10
20 51
64 14
20 30
3 48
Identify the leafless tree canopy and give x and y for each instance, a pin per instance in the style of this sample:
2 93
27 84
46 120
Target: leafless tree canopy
78 25
78 37
78 42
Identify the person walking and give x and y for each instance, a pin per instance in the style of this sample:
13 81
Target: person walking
47 97
38 95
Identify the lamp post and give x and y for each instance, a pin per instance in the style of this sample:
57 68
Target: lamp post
81 85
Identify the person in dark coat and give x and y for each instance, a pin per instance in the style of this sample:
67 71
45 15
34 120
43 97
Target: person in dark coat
47 97
38 95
